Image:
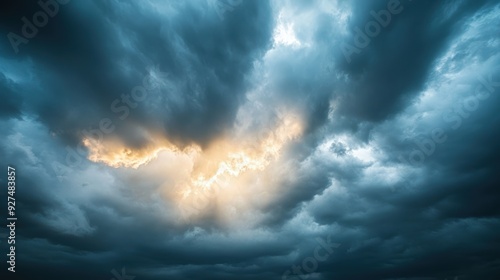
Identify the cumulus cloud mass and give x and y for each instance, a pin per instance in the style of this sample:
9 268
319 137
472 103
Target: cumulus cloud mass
240 139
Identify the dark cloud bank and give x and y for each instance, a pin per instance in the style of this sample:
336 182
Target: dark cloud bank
399 162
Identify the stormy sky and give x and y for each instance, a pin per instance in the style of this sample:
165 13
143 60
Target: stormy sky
239 139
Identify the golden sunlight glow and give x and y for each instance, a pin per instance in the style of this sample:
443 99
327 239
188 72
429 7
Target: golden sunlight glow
253 154
115 155
225 160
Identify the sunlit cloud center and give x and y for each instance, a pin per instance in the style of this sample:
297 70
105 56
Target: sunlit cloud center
226 161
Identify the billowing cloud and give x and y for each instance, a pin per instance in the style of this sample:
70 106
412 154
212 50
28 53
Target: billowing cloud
227 139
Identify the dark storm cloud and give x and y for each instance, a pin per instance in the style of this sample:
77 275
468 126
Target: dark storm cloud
90 54
350 177
417 33
10 107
